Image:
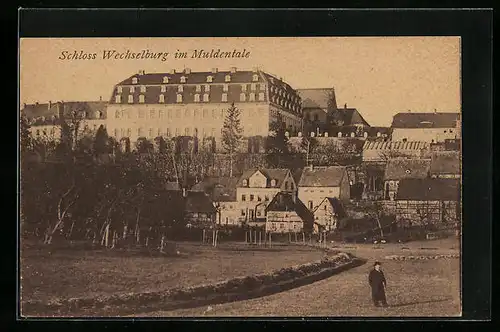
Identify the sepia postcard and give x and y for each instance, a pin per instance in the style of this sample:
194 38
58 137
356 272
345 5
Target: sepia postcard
240 177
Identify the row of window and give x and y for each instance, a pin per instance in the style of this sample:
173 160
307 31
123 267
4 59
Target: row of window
180 88
284 94
168 132
52 130
209 79
162 114
254 197
197 98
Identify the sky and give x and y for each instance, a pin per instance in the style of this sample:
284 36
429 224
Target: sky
380 76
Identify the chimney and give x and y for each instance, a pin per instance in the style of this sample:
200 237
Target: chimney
233 70
187 70
100 98
214 70
172 71
36 103
141 72
50 104
345 105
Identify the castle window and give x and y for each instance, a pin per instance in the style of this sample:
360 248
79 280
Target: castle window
245 182
252 197
243 198
224 97
130 99
150 132
243 87
134 80
152 114
165 79
255 77
98 114
141 114
140 132
242 97
207 87
252 97
143 88
179 98
187 131
163 88
132 89
197 97
225 87
227 78
262 86
183 79
162 114
198 88
273 183
162 99
141 98
119 89
118 99
168 132
116 132
253 86
261 96
210 79
205 97
187 113
180 88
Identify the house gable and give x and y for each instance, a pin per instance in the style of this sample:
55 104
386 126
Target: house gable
288 182
257 180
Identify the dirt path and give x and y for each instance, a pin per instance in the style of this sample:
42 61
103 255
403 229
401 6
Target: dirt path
415 288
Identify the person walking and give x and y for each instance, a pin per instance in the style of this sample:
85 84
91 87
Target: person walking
377 283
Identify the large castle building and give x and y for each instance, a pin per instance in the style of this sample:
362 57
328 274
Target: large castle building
195 104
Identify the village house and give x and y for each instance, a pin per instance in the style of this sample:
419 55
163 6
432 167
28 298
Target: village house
256 188
429 201
222 191
445 164
398 169
199 211
317 183
428 127
327 214
286 213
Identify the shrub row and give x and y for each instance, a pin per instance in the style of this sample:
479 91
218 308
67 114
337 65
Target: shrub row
224 291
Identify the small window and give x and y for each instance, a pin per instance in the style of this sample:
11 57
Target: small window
187 131
245 182
132 89
183 79
259 199
187 113
225 87
206 97
179 98
252 197
197 97
118 99
243 87
310 203
134 80
198 88
253 86
262 86
210 79
141 98
255 77
143 89
141 114
242 97
163 88
227 78
162 99
165 79
252 97
261 96
273 183
224 97
243 198
152 114
119 89
243 212
207 87
130 99
180 88
140 132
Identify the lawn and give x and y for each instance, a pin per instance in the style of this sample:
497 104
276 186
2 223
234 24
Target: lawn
50 274
425 288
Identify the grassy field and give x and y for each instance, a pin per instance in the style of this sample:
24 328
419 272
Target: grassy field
61 273
426 288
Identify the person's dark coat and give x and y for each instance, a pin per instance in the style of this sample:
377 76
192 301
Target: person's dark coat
377 283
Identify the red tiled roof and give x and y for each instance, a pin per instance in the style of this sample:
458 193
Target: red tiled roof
395 145
330 176
425 120
429 190
402 168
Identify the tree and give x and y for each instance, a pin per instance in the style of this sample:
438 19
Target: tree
231 134
277 149
101 141
26 141
376 212
308 145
